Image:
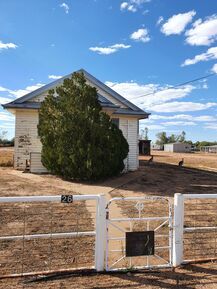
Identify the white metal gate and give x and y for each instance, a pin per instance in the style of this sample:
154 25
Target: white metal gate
51 233
139 233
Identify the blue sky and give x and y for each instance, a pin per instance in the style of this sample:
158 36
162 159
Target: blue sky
135 46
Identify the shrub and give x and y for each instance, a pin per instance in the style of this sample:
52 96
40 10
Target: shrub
79 140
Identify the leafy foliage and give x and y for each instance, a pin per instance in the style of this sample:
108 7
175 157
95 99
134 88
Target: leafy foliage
205 143
162 138
79 140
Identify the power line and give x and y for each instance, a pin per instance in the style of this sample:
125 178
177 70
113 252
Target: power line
178 85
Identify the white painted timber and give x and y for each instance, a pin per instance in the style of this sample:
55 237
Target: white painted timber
129 128
178 229
26 137
36 165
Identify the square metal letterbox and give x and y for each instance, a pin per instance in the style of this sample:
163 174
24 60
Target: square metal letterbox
139 243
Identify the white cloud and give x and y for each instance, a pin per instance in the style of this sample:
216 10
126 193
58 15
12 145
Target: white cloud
211 126
179 123
103 50
154 126
132 5
210 54
182 106
4 116
132 8
3 88
19 92
52 76
177 23
160 20
162 101
119 46
6 125
214 68
140 35
133 91
203 32
4 100
186 117
124 5
65 7
146 11
205 85
110 49
7 45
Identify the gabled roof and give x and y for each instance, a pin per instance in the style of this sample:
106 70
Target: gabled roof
24 101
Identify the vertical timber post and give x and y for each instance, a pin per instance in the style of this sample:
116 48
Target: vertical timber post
178 229
100 234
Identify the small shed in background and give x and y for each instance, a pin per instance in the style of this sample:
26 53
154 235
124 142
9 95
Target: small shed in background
156 147
145 147
209 149
178 147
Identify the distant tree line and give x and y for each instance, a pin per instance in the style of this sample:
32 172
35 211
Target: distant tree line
4 141
204 143
163 138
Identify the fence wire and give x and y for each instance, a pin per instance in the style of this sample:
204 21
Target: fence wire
200 229
30 240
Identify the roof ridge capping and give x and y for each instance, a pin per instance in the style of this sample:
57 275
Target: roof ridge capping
90 77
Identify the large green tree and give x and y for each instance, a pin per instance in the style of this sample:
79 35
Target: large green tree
79 140
162 138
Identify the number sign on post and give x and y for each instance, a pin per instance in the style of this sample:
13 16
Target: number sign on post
66 199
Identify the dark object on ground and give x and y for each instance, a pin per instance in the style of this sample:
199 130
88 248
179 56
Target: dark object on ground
150 160
181 163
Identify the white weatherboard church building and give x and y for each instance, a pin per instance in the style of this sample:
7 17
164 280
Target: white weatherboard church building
26 109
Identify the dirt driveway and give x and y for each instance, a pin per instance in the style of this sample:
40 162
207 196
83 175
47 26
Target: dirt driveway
155 179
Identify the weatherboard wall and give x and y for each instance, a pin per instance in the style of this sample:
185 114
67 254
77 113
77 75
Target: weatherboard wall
26 137
129 127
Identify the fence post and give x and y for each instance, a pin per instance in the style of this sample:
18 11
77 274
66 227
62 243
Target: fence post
178 229
100 234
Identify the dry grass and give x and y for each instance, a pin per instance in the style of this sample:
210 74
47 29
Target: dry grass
193 160
23 256
6 157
